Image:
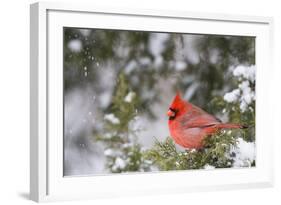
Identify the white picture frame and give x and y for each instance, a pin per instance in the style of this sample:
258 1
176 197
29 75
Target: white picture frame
46 179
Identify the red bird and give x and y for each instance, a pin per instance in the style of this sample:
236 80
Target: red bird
189 124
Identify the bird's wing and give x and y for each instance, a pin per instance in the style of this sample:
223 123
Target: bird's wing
200 120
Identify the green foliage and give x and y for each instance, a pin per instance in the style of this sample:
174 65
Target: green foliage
166 156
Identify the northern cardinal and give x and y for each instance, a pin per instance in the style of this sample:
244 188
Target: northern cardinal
189 125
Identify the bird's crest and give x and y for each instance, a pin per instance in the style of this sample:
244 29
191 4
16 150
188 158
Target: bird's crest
178 103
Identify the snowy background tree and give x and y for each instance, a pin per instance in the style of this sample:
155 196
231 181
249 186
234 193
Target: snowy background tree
123 151
118 86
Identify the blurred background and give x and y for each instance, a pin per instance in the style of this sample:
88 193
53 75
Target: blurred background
118 86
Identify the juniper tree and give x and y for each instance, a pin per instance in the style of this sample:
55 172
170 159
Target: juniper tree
167 157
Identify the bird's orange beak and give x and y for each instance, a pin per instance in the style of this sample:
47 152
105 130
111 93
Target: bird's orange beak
170 113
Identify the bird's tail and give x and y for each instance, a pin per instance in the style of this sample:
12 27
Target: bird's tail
231 126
